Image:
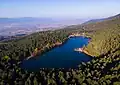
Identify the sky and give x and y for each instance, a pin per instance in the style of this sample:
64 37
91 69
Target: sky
59 8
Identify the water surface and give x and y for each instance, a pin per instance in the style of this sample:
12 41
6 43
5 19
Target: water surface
63 56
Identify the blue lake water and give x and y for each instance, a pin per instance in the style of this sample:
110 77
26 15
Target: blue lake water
63 56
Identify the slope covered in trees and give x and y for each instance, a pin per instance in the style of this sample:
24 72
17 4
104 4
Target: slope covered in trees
106 39
21 48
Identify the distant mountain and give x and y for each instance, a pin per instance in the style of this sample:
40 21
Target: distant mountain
24 20
93 21
114 17
100 20
109 22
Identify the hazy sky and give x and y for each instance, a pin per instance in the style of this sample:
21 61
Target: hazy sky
59 8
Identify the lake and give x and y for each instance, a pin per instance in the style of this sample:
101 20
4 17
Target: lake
62 56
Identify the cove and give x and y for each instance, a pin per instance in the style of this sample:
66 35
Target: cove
62 56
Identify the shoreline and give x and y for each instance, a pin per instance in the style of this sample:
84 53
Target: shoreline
82 50
40 52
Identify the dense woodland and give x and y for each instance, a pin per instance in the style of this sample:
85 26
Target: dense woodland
104 69
22 48
104 42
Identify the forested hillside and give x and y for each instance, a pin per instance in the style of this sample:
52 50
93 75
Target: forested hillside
106 39
21 48
104 69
